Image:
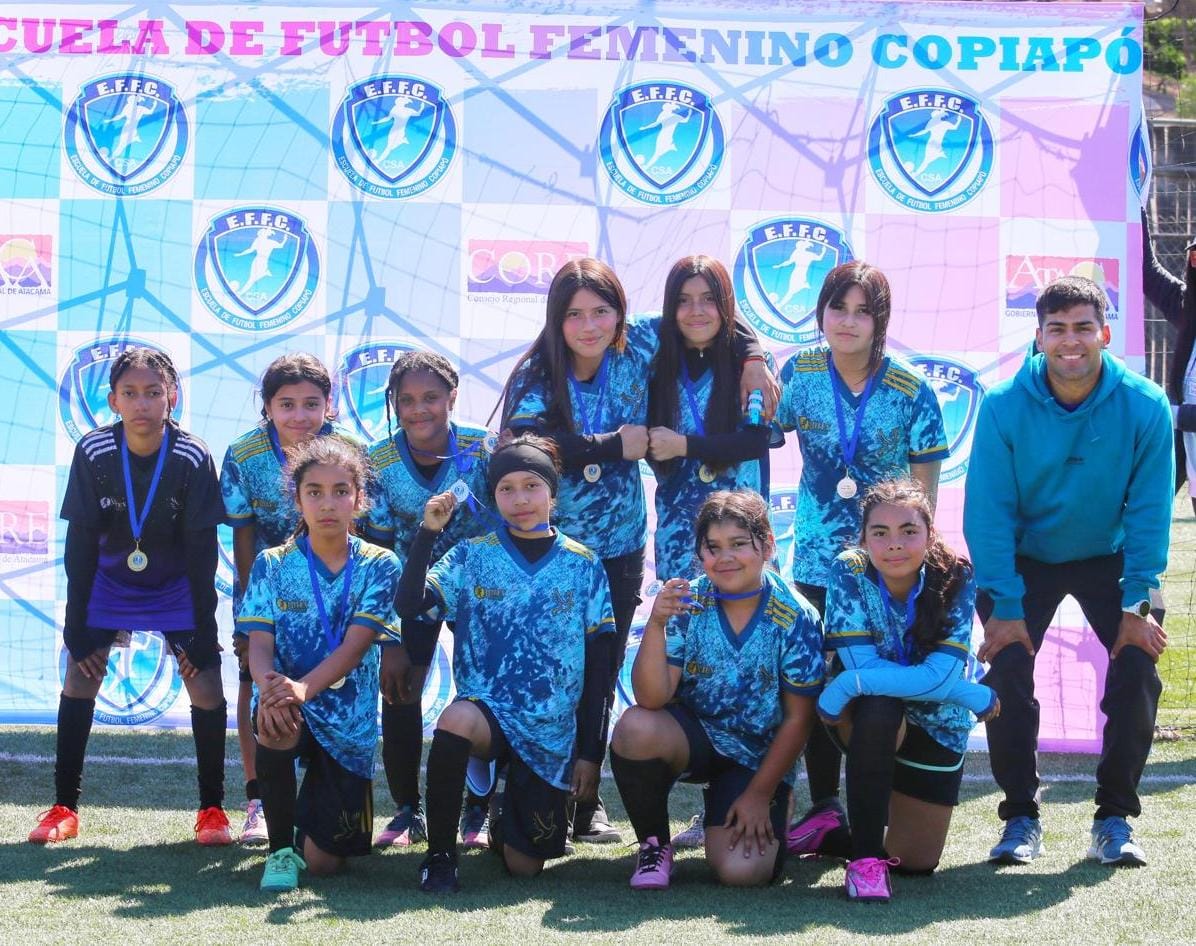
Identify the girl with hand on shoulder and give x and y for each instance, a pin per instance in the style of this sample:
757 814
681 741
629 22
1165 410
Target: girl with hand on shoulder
899 615
725 683
313 610
296 394
429 454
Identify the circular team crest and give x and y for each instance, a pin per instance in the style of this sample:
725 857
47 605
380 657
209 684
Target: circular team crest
624 694
931 149
782 516
661 142
959 395
83 388
360 383
256 268
126 134
141 683
438 686
779 271
394 136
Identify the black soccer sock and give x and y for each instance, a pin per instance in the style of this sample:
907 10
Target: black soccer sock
276 779
447 760
74 729
875 722
208 729
479 801
402 746
251 790
644 786
822 764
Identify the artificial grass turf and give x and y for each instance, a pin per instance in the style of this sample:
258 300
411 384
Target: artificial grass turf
135 871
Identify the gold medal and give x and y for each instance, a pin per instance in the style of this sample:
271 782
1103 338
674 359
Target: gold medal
705 474
137 560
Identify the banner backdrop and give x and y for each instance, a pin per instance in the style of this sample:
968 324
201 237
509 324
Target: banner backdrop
232 182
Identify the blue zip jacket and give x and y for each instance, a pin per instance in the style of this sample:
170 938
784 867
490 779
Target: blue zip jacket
1060 486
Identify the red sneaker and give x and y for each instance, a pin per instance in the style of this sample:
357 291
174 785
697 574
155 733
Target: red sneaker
211 827
57 824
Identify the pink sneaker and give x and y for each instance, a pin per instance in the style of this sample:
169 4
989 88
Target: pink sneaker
653 866
868 879
821 830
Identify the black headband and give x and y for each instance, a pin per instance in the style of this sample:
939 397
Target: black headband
522 458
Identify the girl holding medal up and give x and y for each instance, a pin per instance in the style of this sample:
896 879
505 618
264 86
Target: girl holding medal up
430 454
899 614
862 415
142 505
313 610
583 382
296 396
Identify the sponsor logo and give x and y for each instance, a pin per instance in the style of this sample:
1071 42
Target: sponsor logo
779 270
522 267
662 142
25 264
256 268
126 134
24 531
1026 276
394 136
931 149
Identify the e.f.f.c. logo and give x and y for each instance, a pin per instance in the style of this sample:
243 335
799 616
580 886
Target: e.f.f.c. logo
141 682
126 134
360 381
931 149
661 142
959 395
83 388
779 271
394 136
256 268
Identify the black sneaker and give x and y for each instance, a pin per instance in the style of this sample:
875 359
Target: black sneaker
592 826
438 873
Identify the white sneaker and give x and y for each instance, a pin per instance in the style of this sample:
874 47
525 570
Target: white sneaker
254 830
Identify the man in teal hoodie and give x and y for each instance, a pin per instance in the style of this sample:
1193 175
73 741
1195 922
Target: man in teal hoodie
1069 492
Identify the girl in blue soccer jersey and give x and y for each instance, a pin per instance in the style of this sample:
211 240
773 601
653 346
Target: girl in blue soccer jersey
899 614
862 415
725 682
698 443
296 406
430 454
531 660
583 382
142 506
312 611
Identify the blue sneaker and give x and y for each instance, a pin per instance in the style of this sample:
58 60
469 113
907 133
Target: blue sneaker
1021 842
1113 843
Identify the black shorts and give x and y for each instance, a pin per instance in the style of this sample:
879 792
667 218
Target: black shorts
532 815
334 807
725 780
925 770
201 649
242 640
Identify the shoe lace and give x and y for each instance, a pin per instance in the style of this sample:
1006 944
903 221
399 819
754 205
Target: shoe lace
872 871
1018 830
210 818
55 814
651 857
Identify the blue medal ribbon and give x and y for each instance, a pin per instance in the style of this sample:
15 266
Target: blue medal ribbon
587 426
459 457
342 616
911 606
694 410
849 446
136 520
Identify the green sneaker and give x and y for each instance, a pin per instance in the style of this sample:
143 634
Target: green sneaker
282 871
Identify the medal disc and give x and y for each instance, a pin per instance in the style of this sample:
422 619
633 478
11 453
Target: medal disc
337 685
137 560
654 589
846 488
705 474
592 473
460 491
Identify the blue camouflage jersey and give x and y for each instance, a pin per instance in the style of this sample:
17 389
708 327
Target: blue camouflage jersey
902 424
521 631
280 601
255 490
856 613
733 682
680 495
399 489
610 515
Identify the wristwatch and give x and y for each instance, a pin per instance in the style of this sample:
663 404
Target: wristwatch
1140 608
